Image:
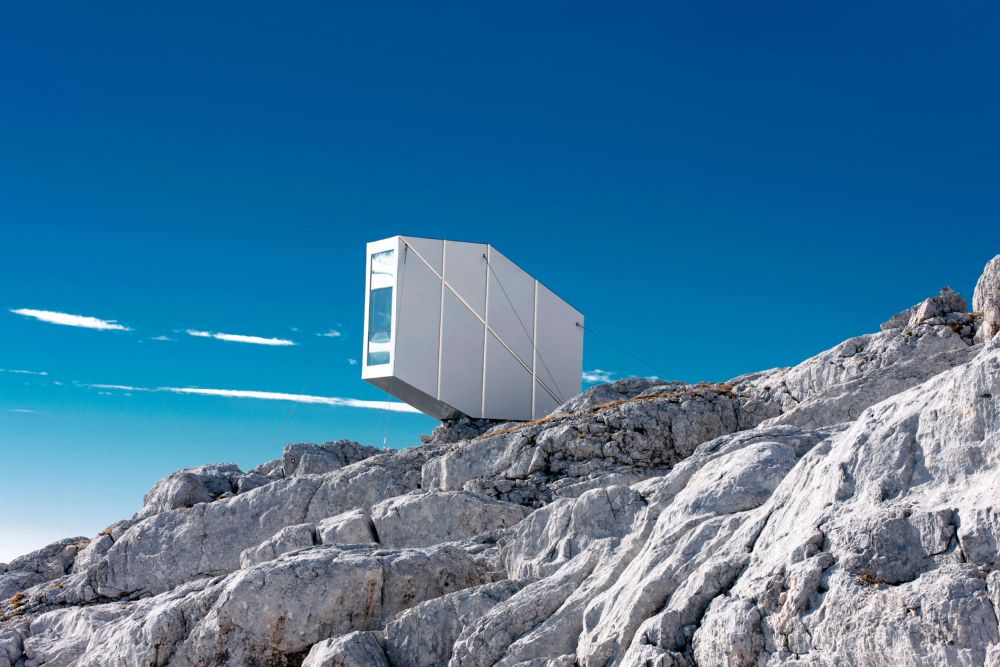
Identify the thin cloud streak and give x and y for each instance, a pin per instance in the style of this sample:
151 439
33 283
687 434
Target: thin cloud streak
120 387
332 333
22 372
393 406
240 338
68 320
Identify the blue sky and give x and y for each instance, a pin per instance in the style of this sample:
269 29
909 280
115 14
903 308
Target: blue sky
719 187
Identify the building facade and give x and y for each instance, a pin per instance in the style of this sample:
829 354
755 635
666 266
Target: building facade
456 328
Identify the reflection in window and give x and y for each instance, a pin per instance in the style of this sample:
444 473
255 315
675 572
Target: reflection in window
380 307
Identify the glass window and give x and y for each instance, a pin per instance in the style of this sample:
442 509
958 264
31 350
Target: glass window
380 315
380 307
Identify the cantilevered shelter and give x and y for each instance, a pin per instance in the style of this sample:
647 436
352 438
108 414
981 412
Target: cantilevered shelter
456 328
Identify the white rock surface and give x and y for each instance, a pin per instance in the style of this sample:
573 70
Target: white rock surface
352 527
356 649
202 484
423 519
986 300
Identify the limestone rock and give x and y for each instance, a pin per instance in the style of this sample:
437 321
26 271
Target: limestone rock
424 635
168 549
529 463
40 566
986 300
624 389
281 608
455 430
356 649
556 533
191 486
423 519
292 538
949 301
353 527
307 459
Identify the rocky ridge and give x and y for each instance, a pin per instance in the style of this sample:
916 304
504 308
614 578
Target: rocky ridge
841 511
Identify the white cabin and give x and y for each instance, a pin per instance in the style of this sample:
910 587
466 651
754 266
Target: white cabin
456 328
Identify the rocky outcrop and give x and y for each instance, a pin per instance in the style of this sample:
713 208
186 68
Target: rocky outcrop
417 520
40 566
307 459
203 484
357 649
839 512
456 430
986 301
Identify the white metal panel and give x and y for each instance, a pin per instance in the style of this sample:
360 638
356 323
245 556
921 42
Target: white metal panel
559 351
461 356
465 272
432 250
418 323
508 383
511 305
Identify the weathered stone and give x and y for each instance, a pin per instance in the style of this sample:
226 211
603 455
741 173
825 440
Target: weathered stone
356 649
949 301
191 486
307 459
288 539
424 635
353 527
455 430
986 300
45 564
423 519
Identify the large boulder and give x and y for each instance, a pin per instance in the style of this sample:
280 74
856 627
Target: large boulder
308 459
986 300
202 484
353 527
292 538
947 302
43 565
424 635
423 519
356 649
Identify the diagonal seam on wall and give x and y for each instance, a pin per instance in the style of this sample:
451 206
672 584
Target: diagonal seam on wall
483 320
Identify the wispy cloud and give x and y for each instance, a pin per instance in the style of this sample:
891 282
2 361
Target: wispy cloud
120 387
68 320
352 362
22 372
394 406
161 338
332 333
598 375
240 338
21 410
